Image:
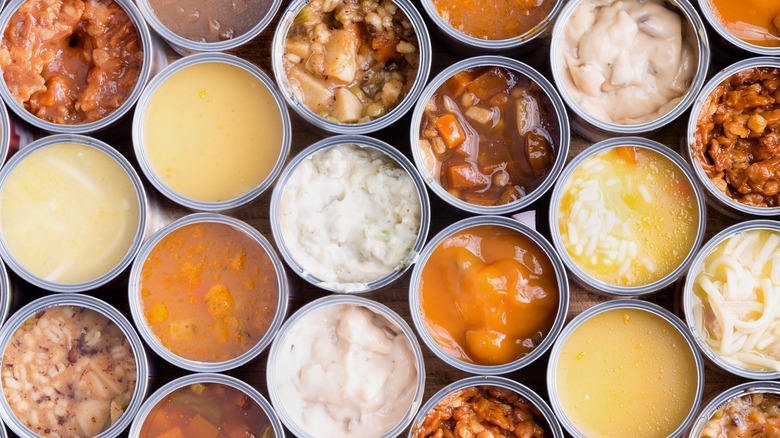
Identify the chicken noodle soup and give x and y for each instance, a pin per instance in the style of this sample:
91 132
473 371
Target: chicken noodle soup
209 291
626 62
79 203
488 295
349 61
488 135
71 61
68 371
735 300
207 410
628 216
349 215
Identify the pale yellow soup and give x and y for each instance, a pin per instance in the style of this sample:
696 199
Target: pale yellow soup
626 373
628 216
69 213
212 132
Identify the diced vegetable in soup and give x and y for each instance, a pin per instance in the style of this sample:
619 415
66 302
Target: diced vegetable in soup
68 372
209 292
752 415
350 61
491 133
207 410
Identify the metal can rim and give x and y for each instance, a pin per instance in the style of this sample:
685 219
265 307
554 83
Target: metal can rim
532 74
184 45
147 46
687 12
159 395
622 303
136 307
143 213
719 198
360 141
687 294
139 146
115 316
561 279
403 107
351 300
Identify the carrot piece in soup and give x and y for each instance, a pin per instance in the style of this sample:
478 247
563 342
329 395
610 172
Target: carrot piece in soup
458 82
450 130
491 82
384 48
200 427
464 175
172 433
628 153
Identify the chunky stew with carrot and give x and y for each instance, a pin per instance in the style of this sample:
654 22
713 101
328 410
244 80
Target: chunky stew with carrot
489 134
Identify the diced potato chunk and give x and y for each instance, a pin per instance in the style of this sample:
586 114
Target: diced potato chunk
341 56
479 115
348 108
310 91
300 48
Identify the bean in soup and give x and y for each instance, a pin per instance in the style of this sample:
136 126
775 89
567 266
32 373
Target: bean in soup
488 135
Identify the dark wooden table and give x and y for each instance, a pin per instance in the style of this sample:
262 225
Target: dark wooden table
438 374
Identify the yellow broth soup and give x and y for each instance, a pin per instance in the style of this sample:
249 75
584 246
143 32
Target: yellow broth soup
626 373
628 216
212 132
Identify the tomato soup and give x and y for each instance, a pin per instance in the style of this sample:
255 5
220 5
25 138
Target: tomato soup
626 372
209 292
488 295
207 410
493 20
753 21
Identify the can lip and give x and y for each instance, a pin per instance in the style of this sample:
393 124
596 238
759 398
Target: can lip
718 27
6 294
138 131
503 382
105 309
587 280
5 132
621 303
181 382
687 295
352 300
424 68
688 12
486 45
361 141
718 199
562 144
726 396
186 46
85 128
114 272
563 295
136 306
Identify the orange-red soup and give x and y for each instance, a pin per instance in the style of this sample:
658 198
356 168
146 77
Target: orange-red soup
488 135
488 295
209 292
492 19
207 410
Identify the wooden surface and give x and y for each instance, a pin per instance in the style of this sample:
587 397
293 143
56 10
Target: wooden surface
438 374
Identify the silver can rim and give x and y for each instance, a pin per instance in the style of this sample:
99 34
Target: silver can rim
185 45
502 382
622 303
720 400
562 146
561 279
138 131
136 306
159 395
5 130
688 12
502 45
6 295
718 26
147 46
115 316
587 280
423 70
360 141
716 196
348 300
143 213
687 295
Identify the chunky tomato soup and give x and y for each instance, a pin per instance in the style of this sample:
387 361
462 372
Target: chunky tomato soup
209 292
